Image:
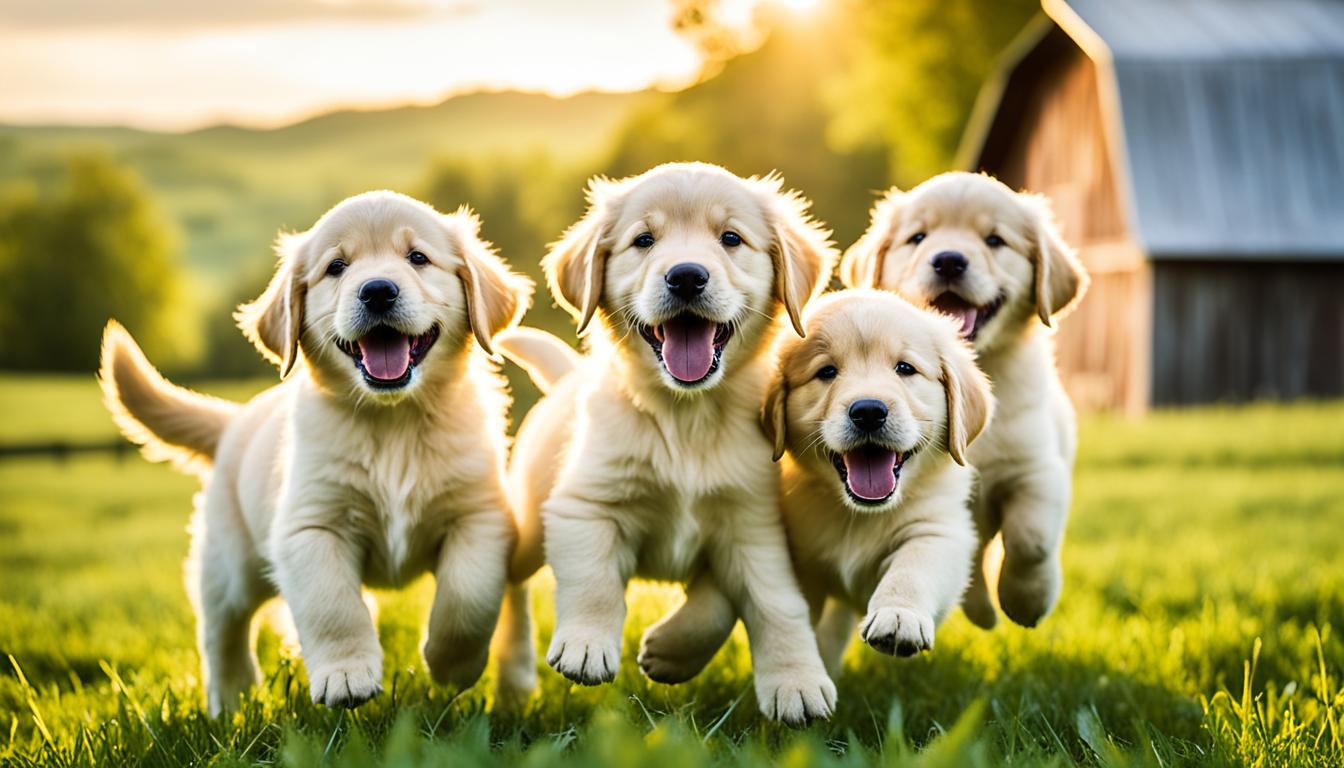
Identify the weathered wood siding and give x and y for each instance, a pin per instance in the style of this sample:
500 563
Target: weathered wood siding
1058 147
1234 331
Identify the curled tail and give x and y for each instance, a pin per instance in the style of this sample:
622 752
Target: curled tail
170 423
546 358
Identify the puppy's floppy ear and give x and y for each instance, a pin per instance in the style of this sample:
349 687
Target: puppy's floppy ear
576 266
970 402
774 416
496 297
862 264
802 253
1060 277
273 321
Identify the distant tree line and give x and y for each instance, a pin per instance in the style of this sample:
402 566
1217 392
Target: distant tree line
844 101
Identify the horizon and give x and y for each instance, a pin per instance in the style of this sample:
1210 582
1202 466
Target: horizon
236 64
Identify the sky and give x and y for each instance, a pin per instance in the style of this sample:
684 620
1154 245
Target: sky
181 64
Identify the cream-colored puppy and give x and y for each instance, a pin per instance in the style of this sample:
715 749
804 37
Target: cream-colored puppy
646 457
380 457
872 413
970 247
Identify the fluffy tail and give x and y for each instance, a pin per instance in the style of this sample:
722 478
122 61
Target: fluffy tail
545 358
168 422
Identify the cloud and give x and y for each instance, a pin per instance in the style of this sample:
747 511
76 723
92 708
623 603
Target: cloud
195 14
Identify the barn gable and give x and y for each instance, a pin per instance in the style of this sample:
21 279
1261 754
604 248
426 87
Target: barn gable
1225 119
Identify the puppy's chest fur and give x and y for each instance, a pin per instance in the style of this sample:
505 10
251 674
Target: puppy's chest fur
685 475
845 553
394 488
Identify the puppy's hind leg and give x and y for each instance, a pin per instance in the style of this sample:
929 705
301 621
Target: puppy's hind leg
834 631
515 647
679 646
223 579
976 603
1034 514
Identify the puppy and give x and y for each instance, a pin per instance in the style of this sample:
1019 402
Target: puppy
646 458
380 456
872 413
970 247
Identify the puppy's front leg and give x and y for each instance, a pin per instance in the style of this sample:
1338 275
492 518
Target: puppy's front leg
470 578
318 575
1034 512
754 570
592 562
924 579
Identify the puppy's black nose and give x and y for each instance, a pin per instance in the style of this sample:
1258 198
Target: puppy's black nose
686 281
868 415
378 295
949 264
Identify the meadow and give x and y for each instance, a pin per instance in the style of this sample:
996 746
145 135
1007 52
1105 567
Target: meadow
1200 624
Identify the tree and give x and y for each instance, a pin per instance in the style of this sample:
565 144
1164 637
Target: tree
916 70
80 242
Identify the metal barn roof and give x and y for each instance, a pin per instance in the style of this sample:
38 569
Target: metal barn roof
1228 117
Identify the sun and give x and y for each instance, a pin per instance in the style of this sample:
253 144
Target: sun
800 5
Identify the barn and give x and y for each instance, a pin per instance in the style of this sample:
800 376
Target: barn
1194 151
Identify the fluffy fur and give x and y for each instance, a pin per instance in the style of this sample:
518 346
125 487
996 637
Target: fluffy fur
1017 279
630 470
902 560
331 480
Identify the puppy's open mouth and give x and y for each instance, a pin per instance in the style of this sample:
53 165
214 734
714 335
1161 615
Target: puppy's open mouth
870 472
971 317
386 357
688 346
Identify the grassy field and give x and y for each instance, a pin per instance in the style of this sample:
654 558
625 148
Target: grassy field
1200 625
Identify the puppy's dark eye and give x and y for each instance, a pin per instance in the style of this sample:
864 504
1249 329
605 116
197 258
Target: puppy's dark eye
994 241
916 238
644 241
417 258
730 239
905 369
828 372
336 267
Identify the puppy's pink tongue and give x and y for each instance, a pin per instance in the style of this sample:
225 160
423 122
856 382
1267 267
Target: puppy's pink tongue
871 472
963 312
688 347
967 318
386 354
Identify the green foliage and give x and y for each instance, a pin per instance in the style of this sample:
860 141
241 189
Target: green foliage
915 76
842 100
1199 626
79 243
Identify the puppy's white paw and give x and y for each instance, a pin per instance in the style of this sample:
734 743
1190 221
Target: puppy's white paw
514 685
1028 590
796 697
458 664
898 631
584 656
346 683
665 658
978 607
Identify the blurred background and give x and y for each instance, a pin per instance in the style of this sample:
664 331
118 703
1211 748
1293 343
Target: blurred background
150 151
145 177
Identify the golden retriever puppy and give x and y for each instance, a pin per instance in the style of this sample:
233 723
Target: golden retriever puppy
970 247
646 457
872 414
380 457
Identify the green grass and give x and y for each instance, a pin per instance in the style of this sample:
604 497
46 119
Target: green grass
1200 624
47 407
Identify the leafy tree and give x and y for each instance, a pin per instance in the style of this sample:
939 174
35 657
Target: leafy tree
80 241
917 67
